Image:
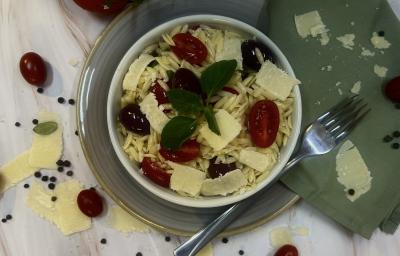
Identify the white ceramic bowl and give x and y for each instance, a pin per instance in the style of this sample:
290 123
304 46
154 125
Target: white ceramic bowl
114 96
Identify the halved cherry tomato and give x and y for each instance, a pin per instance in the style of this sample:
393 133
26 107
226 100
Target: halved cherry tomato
189 48
102 6
392 89
287 250
160 93
189 150
263 123
231 90
155 172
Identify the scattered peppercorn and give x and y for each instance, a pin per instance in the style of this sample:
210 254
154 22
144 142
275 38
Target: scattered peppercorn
139 254
60 100
67 163
60 162
53 198
241 252
395 145
53 179
70 173
167 238
381 33
51 186
396 134
387 138
8 217
225 240
71 101
76 133
26 185
3 220
37 174
103 241
45 178
60 169
351 191
39 90
35 121
18 124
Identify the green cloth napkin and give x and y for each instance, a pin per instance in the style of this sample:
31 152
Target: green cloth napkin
315 179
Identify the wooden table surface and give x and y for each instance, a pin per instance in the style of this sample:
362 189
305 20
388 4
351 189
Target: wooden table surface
63 33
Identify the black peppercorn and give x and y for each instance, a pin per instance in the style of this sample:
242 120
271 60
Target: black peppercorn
71 101
103 241
45 178
51 186
53 198
26 185
76 133
70 173
395 145
351 191
167 238
381 33
40 90
8 217
35 121
225 240
60 169
60 100
67 163
37 174
139 254
60 162
241 252
53 179
3 220
387 138
18 124
396 134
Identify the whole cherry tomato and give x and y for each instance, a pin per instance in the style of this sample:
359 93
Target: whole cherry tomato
33 69
90 202
160 93
102 6
263 123
189 48
155 172
392 89
189 150
287 250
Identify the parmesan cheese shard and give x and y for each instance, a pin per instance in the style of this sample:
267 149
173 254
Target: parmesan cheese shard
256 160
15 171
185 179
47 149
231 50
352 171
310 24
156 117
280 236
356 87
206 251
229 128
136 69
379 42
347 41
229 183
64 212
380 71
366 52
275 82
124 222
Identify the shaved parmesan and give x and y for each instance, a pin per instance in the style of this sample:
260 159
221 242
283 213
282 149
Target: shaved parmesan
356 87
379 42
136 69
231 50
275 82
347 41
310 24
156 117
280 236
256 160
229 183
206 251
47 149
124 222
186 179
380 71
16 171
228 126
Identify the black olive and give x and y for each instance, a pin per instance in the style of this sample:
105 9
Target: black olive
134 120
215 170
250 60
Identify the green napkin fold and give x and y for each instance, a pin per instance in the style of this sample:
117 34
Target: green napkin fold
315 179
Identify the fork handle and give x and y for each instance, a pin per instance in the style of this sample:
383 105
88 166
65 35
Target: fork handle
205 235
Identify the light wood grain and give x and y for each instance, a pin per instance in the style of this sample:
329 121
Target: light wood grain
60 31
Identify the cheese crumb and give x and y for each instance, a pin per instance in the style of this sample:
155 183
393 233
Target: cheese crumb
327 68
74 62
280 236
356 87
310 24
352 23
380 71
347 41
340 91
122 221
366 52
352 171
206 251
379 42
338 83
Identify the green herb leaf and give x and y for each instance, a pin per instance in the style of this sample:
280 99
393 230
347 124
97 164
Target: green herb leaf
185 102
45 128
212 122
170 74
177 131
215 77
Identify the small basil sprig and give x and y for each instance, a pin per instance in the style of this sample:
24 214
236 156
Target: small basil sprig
180 128
45 128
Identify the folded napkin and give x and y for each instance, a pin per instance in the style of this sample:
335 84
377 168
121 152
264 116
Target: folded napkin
315 179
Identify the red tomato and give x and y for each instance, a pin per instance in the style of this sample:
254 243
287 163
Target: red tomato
189 150
189 48
90 202
103 6
287 250
161 94
392 89
263 123
155 172
33 69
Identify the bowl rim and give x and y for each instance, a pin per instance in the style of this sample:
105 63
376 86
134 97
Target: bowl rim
135 50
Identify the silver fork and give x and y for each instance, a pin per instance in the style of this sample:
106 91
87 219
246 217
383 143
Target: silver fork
323 135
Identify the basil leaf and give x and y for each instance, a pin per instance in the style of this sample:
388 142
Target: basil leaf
212 122
45 128
177 131
215 77
170 74
185 102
